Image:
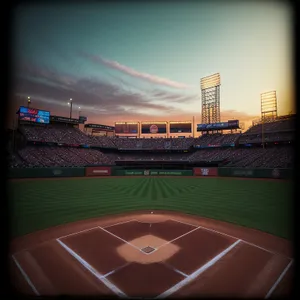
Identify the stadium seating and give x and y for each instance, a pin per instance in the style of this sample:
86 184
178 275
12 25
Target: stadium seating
70 135
153 156
32 156
56 134
46 156
270 157
212 154
275 126
217 139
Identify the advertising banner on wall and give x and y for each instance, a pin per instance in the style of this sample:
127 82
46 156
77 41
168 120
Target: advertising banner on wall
205 171
156 172
98 171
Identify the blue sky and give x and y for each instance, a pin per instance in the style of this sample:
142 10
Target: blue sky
144 61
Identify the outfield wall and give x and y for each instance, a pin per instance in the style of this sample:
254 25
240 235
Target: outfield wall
46 172
119 171
98 171
205 171
145 172
256 173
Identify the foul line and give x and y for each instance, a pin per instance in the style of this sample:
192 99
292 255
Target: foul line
195 274
278 280
236 238
74 233
78 232
115 270
25 276
105 281
166 243
119 223
145 222
120 239
183 222
174 269
140 249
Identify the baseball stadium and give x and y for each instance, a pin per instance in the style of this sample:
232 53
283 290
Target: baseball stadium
132 211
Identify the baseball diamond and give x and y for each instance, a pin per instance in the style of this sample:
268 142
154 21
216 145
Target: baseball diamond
176 248
135 168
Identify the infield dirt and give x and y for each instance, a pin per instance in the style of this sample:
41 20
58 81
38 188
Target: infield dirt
111 261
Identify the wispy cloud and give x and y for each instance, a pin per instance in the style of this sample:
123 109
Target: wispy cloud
94 96
105 101
134 73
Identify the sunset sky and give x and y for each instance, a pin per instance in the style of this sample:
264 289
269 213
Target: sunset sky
128 61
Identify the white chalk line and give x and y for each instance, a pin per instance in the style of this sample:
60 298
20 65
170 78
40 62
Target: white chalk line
177 238
142 222
174 269
77 232
155 249
116 269
119 223
71 234
121 239
197 227
195 274
236 238
185 223
98 275
278 280
25 276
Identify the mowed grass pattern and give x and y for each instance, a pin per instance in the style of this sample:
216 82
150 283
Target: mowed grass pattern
39 204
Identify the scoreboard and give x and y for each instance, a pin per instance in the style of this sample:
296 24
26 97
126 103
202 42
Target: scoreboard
126 127
34 115
180 127
154 127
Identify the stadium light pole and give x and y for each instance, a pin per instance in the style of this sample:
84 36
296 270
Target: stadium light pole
79 111
262 134
71 104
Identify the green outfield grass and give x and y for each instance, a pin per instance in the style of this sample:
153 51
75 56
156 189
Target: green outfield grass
264 205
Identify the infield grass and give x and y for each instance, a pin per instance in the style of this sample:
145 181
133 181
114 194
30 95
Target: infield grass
39 204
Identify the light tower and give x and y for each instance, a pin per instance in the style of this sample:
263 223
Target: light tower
210 96
71 104
268 105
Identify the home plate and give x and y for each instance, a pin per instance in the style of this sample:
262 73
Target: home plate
148 249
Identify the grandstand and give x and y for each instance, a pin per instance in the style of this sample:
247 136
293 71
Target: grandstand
61 145
42 140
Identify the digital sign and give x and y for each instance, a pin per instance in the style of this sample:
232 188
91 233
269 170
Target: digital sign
99 126
180 127
34 115
232 124
126 128
154 127
64 120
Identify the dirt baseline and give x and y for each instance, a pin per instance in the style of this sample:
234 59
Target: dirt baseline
149 255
